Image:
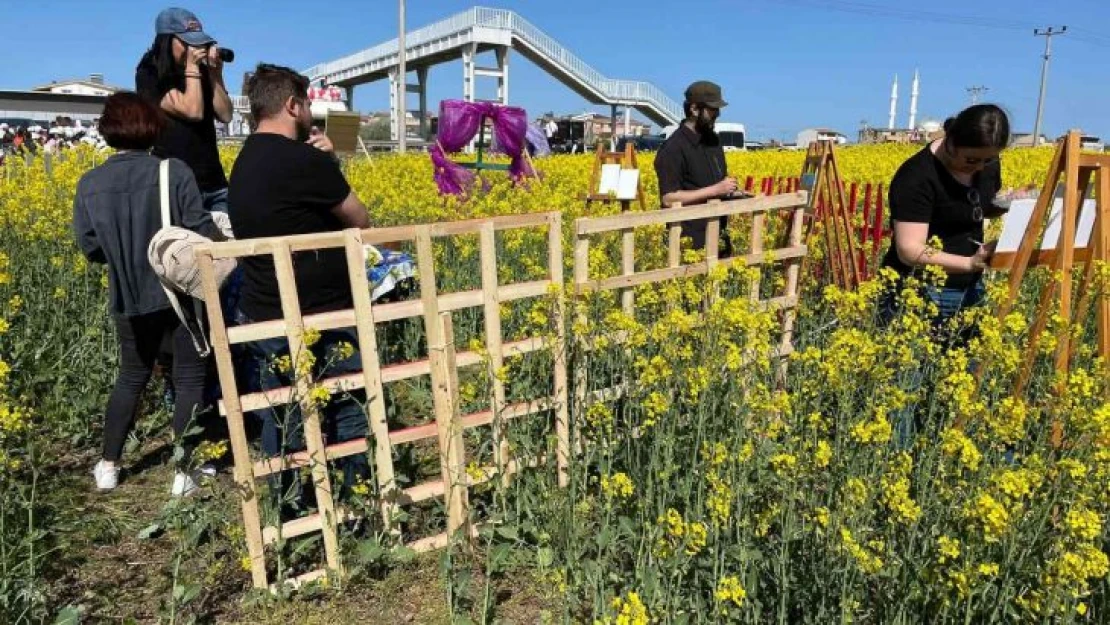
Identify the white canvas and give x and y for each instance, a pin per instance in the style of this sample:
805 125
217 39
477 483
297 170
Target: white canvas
1015 222
610 177
628 184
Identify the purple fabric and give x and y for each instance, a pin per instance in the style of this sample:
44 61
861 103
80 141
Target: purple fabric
458 123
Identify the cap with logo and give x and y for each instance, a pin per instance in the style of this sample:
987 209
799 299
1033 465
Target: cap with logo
707 93
184 24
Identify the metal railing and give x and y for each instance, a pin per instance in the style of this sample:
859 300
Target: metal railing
612 90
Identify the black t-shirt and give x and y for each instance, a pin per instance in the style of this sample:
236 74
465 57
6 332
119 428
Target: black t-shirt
192 142
280 187
923 191
689 161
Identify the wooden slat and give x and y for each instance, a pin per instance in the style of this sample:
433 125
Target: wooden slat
298 459
303 525
492 320
562 409
441 353
372 236
593 225
310 413
371 376
684 271
757 248
275 328
628 268
1102 244
391 373
1004 261
472 420
240 448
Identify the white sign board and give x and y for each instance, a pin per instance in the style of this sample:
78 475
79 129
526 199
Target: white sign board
1016 221
623 182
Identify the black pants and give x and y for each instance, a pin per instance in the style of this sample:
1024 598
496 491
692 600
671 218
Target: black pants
140 340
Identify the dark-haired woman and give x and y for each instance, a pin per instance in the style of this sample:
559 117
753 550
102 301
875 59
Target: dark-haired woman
944 192
116 211
182 74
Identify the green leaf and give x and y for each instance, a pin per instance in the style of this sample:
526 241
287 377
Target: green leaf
150 531
545 557
70 615
508 532
403 555
370 551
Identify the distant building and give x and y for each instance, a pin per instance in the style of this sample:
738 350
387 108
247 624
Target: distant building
898 135
93 85
1025 140
601 126
809 135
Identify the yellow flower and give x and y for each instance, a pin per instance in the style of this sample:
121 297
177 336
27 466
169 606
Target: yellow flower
1083 524
949 549
319 396
822 456
207 451
730 591
991 516
310 336
955 444
618 486
630 610
696 534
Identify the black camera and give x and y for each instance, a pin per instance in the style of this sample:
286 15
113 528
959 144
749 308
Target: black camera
227 55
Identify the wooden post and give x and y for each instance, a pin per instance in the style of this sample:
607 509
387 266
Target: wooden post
492 316
441 360
372 377
310 414
559 354
628 267
240 448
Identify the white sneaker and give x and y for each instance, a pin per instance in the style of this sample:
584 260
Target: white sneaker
183 485
106 475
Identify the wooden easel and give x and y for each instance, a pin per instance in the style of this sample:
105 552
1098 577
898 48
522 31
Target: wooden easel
1078 171
627 160
821 177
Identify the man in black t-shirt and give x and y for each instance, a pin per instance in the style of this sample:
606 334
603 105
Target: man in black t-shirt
182 74
691 164
286 181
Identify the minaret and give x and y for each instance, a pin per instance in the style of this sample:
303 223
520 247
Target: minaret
893 102
913 101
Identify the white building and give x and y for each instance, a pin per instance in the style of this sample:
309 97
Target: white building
93 85
809 135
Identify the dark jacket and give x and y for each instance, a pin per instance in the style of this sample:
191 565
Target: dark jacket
116 212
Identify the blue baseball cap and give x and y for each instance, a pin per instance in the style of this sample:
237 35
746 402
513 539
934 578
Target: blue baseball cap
184 24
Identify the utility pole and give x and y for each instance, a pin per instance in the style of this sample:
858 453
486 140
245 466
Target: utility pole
976 91
403 92
1047 34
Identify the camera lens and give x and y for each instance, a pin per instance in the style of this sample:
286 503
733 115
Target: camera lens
227 55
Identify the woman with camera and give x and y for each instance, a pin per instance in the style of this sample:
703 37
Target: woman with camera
182 74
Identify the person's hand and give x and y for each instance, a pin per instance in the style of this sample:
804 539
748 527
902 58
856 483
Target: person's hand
725 187
319 140
981 259
213 60
194 57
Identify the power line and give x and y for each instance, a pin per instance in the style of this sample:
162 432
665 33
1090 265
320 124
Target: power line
1047 34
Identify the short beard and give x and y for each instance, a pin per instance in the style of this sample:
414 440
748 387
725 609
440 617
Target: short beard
304 131
703 124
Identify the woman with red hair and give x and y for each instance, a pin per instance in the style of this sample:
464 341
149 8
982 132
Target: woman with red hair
116 211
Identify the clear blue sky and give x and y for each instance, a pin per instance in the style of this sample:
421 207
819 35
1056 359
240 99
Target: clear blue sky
784 64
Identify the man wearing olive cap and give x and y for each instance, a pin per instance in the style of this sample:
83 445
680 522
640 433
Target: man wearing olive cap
691 164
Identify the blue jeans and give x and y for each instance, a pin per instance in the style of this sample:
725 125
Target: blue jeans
215 200
949 302
342 419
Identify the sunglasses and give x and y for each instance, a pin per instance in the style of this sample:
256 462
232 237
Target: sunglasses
976 204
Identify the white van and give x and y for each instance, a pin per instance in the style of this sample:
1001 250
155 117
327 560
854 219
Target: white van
1088 142
732 135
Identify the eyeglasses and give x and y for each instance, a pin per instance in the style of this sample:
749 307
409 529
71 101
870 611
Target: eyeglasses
969 161
976 204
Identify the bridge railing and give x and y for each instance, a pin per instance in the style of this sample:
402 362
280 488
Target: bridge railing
622 90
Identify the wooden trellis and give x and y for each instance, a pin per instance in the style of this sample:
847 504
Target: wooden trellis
441 364
792 254
829 207
1077 171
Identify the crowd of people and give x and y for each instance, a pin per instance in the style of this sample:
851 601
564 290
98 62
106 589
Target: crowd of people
287 181
38 139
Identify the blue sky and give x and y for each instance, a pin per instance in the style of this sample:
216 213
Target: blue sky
784 64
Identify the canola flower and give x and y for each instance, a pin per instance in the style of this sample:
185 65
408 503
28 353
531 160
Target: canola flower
717 450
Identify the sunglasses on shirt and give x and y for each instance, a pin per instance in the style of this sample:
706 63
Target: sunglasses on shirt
976 204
